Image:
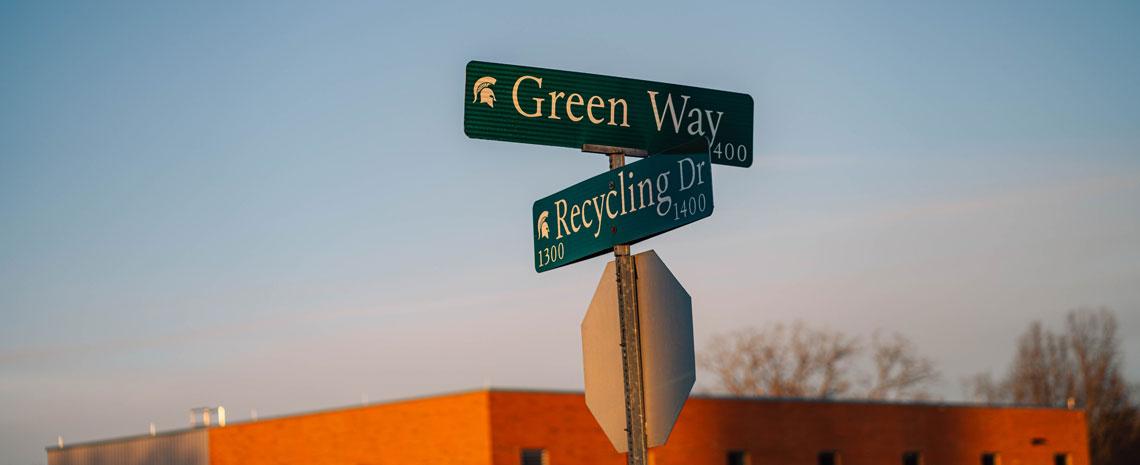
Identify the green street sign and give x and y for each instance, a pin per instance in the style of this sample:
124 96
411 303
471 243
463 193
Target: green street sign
621 206
568 109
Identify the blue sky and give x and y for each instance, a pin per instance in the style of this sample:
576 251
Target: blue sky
274 206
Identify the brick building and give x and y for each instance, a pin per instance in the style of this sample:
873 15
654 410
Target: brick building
514 427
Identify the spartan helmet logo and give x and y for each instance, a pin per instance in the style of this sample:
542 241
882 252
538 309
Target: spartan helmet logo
483 92
543 229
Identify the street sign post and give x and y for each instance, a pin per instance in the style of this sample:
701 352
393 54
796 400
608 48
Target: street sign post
622 206
665 322
686 129
569 109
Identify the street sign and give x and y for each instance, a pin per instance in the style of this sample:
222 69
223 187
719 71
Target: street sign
568 109
622 206
669 368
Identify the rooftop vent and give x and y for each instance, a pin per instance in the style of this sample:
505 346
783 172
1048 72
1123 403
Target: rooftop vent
204 417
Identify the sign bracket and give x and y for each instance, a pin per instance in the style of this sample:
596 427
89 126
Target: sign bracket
611 150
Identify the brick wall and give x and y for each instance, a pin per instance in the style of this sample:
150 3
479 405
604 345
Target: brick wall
557 422
794 432
492 427
450 430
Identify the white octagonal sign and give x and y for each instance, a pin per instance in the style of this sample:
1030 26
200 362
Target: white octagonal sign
669 365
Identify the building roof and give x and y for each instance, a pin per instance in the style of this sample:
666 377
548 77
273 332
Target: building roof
516 390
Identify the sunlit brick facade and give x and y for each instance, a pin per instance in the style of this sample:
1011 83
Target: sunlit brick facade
500 427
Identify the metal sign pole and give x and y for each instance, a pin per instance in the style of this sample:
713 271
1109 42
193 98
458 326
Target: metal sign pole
631 345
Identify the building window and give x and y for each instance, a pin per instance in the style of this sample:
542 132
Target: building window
1062 459
991 458
829 457
738 457
912 458
533 457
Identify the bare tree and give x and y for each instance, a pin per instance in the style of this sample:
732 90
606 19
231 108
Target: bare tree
983 388
1041 372
899 372
800 361
1100 386
1080 368
781 360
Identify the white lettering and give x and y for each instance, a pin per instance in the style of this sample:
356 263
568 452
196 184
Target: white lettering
660 117
624 112
590 106
664 202
697 120
560 214
515 97
610 213
554 96
575 210
713 125
681 173
573 99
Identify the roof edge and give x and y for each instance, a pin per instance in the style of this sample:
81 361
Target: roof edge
523 390
303 413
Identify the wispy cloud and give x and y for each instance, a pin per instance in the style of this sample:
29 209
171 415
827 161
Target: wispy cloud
255 326
803 162
1051 194
1045 194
